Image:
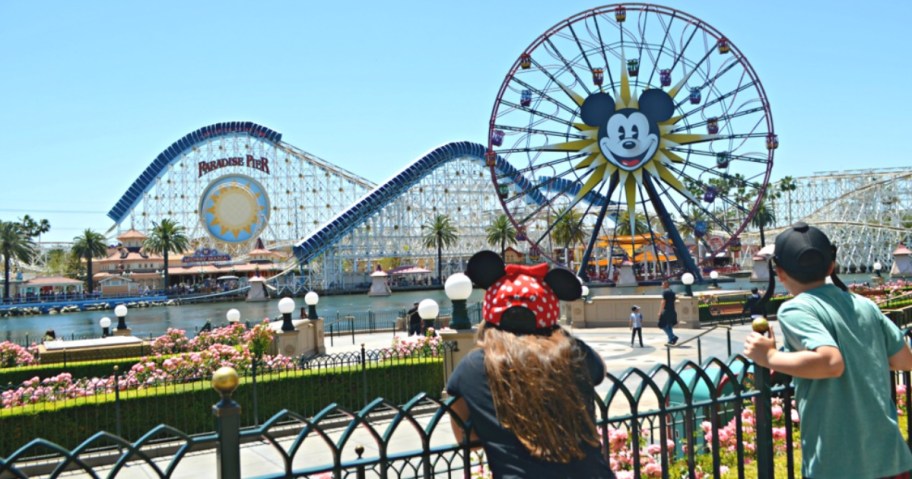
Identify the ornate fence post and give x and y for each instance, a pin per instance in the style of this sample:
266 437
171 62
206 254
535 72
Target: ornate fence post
227 424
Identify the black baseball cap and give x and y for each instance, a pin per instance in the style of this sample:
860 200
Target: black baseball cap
804 252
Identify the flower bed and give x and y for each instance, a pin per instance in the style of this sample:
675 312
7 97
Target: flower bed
194 360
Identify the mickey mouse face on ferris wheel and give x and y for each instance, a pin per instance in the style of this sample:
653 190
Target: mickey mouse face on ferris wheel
628 137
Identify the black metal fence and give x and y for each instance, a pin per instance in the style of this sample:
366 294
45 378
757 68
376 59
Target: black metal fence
641 412
350 323
693 420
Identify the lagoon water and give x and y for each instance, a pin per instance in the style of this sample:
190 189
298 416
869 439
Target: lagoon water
154 321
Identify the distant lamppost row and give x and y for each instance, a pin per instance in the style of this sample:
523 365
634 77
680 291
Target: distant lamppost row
233 316
105 324
428 309
311 299
286 306
458 288
121 312
688 280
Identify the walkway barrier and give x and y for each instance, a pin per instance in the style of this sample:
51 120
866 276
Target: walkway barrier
651 423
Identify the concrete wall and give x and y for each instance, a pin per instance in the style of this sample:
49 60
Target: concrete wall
614 311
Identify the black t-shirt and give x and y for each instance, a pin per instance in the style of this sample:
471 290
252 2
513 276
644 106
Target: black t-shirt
669 296
507 457
413 317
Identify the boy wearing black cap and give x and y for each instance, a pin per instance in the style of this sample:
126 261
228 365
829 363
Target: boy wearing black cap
839 348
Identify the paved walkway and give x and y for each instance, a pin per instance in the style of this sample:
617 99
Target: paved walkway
612 344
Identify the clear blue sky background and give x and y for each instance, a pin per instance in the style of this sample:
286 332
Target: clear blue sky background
92 91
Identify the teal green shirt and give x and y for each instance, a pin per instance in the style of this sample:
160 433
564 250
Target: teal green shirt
848 424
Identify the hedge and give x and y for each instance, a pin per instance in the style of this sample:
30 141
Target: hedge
772 307
81 369
187 407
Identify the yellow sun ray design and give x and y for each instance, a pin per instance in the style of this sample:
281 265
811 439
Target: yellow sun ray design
597 167
235 208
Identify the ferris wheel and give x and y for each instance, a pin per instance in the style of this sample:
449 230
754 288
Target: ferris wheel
638 134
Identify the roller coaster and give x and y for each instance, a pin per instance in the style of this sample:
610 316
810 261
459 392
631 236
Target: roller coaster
338 225
867 213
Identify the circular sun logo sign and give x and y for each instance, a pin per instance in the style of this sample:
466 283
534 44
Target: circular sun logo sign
234 208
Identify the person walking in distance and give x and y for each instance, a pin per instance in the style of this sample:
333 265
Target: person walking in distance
636 324
839 349
414 320
668 317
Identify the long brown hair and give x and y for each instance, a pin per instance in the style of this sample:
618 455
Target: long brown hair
536 383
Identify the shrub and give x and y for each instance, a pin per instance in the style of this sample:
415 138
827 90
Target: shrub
12 355
186 406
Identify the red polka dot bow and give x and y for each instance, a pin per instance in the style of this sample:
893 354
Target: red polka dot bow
522 286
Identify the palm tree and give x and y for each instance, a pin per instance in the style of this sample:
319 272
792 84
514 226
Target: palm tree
762 218
14 244
501 231
167 237
34 228
640 223
89 246
787 185
440 234
569 231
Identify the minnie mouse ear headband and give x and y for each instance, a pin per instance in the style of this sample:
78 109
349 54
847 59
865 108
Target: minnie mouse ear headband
520 298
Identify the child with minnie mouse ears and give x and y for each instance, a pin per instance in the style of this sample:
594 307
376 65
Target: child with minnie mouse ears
527 393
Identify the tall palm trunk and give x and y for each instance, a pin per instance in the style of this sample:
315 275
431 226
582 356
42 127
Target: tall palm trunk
439 264
6 277
165 255
89 278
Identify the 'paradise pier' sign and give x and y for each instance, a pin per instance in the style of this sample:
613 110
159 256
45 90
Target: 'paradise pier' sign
261 164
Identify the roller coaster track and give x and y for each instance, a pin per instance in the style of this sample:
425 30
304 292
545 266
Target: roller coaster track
333 230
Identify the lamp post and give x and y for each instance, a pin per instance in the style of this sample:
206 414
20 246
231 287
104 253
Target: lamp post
688 280
714 276
233 316
458 288
121 312
105 324
428 310
286 306
311 299
877 267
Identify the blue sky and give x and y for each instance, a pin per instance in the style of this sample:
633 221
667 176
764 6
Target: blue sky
93 91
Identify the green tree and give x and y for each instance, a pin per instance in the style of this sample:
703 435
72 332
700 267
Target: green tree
15 243
568 230
502 232
787 185
762 218
167 237
440 233
34 228
639 220
60 262
90 245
